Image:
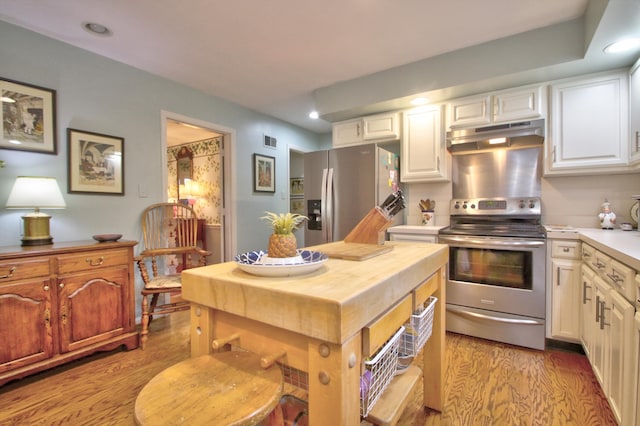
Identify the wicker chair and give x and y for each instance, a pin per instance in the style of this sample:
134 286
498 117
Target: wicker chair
170 246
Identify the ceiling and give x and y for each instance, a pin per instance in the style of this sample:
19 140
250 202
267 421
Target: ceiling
285 58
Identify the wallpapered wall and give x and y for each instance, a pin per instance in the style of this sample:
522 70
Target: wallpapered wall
207 166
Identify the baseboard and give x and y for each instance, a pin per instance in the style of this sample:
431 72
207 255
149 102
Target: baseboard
564 346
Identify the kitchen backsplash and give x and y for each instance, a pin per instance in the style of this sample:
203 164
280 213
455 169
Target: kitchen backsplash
566 200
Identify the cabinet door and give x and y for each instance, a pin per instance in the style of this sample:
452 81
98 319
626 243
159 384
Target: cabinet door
636 358
600 338
424 156
381 127
565 316
587 311
347 133
93 307
634 113
25 323
619 321
515 105
472 111
588 125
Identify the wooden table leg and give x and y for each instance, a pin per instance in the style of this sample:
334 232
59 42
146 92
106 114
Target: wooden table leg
334 382
434 351
201 329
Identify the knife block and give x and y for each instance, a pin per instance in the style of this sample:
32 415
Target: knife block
370 230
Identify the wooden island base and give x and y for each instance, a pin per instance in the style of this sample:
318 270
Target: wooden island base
326 322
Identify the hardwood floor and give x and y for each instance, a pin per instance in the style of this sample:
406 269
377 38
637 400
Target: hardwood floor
487 383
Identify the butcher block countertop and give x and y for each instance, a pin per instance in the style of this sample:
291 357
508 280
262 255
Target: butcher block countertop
332 303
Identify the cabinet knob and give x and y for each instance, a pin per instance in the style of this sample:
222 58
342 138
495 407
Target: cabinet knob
45 288
61 285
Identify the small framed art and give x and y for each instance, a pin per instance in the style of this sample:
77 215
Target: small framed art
28 117
264 173
96 163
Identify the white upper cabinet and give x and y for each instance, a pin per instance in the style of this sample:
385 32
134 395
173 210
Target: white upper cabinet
424 157
589 125
498 107
634 113
372 128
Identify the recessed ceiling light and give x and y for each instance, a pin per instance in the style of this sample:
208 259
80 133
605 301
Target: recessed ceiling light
97 29
419 101
314 115
623 45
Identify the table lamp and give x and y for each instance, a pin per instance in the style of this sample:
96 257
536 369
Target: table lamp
32 192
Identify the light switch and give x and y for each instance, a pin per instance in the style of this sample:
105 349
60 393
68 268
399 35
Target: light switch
142 191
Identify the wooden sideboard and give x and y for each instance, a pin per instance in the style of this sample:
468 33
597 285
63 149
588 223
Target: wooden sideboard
63 301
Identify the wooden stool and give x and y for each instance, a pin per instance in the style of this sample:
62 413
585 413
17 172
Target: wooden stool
226 388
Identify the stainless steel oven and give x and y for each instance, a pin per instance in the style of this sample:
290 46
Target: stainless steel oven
496 277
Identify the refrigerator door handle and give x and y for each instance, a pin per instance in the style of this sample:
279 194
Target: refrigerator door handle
323 205
329 210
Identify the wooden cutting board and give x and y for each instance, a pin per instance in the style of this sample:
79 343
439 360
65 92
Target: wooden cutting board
352 251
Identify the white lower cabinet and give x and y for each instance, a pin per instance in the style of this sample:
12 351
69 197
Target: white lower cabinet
636 363
587 311
618 317
564 280
609 336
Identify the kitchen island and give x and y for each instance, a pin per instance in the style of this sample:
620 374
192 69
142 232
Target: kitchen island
325 322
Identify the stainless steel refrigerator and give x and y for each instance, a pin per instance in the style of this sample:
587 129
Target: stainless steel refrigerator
342 185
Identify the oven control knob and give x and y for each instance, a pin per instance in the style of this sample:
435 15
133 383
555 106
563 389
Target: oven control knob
521 205
532 204
464 206
473 206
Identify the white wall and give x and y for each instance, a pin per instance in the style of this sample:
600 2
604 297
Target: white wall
101 95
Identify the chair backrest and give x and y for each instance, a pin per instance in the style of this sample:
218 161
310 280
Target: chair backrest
170 227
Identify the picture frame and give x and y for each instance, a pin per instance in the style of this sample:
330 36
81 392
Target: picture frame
28 115
264 173
96 163
296 187
296 206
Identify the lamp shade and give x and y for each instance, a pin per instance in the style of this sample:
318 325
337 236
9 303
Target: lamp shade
35 192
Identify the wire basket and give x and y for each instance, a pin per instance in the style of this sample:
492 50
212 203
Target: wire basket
378 373
418 329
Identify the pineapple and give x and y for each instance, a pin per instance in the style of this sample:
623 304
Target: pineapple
282 243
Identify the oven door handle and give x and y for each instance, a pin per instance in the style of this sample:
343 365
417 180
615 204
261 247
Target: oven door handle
476 315
484 242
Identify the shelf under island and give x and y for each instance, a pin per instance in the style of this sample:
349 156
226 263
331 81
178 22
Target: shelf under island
325 323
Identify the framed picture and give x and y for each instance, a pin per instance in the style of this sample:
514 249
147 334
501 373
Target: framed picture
28 117
96 163
297 206
264 173
297 187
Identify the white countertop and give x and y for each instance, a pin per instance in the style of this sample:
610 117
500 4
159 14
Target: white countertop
623 246
415 229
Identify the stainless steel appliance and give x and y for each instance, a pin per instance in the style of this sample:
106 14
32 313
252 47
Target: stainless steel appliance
342 185
497 245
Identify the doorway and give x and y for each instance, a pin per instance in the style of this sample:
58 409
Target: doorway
203 181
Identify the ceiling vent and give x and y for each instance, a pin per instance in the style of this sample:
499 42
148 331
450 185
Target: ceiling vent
270 141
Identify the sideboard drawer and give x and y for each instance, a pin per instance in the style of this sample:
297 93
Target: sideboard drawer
566 249
90 260
23 269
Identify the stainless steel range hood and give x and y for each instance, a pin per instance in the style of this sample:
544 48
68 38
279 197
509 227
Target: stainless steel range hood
520 134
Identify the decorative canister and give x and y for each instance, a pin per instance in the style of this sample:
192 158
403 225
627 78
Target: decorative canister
428 218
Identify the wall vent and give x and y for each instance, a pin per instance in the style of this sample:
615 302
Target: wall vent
270 141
